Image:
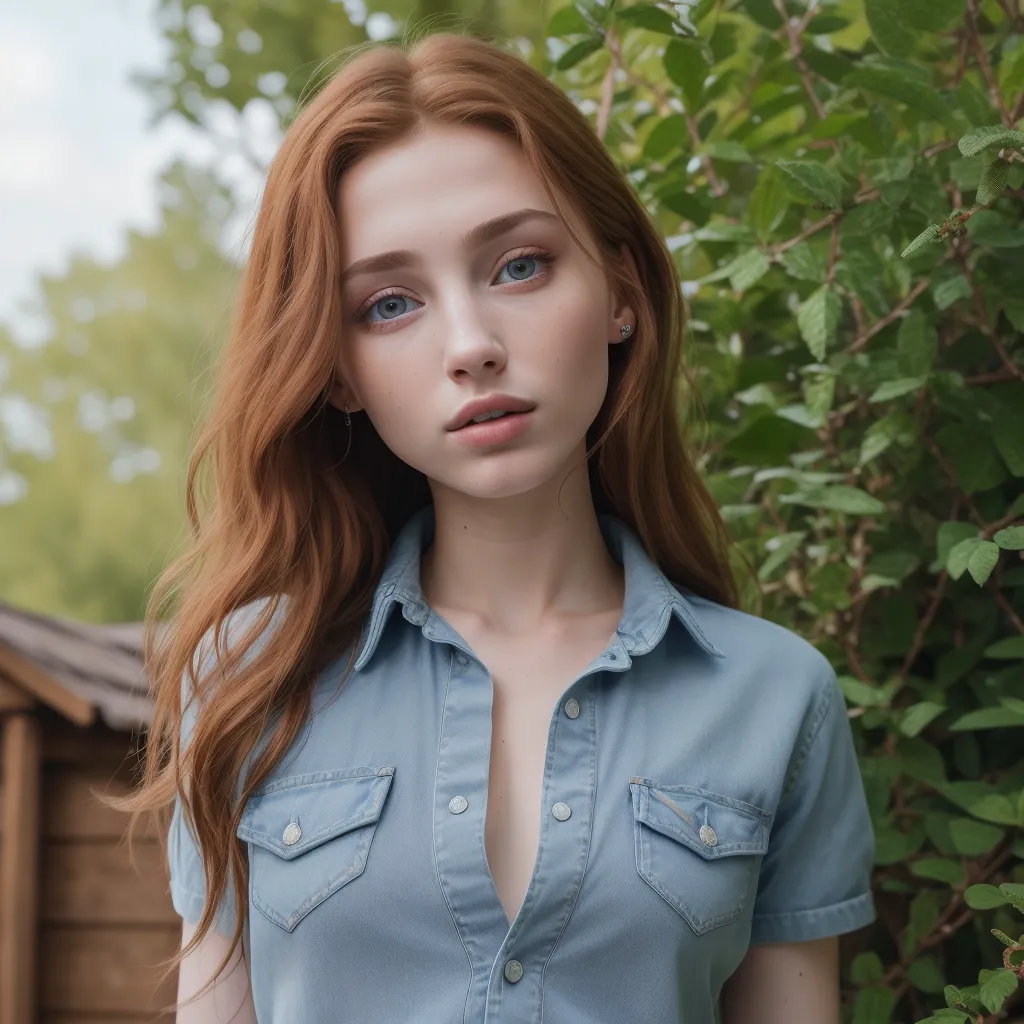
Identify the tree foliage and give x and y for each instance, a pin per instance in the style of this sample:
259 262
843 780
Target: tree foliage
841 188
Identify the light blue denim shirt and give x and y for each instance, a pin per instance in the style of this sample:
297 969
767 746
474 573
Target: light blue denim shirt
701 794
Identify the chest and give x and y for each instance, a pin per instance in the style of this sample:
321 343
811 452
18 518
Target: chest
528 678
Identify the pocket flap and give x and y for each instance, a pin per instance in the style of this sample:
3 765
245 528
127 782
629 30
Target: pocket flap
291 816
710 824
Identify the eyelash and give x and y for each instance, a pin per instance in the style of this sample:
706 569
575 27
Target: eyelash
545 259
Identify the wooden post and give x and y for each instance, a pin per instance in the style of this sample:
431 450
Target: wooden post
19 866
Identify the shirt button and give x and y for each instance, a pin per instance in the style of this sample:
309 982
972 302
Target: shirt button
291 835
561 811
461 658
513 970
572 707
457 804
707 835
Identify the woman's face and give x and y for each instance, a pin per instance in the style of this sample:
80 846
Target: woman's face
451 316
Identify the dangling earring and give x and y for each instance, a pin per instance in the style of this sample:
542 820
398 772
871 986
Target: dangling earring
626 330
348 423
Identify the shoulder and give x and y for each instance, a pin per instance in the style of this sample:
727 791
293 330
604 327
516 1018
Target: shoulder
235 628
765 657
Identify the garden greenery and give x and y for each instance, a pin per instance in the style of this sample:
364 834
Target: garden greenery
841 187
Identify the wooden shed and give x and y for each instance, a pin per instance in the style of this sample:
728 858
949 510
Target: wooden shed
82 930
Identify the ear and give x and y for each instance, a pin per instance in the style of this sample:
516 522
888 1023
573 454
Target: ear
622 312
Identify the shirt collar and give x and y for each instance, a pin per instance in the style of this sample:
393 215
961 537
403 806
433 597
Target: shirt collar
650 599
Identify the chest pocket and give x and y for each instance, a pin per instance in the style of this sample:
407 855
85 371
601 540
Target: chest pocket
308 836
697 849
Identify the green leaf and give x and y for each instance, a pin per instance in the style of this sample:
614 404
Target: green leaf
1014 892
945 1016
579 51
686 65
818 318
784 546
666 135
810 181
952 290
925 974
650 17
888 29
907 91
982 561
1011 538
567 21
993 182
984 897
1011 648
993 135
686 205
997 987
917 716
988 718
831 65
960 555
764 13
726 149
838 499
873 1005
895 388
949 535
768 204
1008 434
917 342
995 807
938 869
861 694
929 15
747 269
866 967
973 838
802 262
929 234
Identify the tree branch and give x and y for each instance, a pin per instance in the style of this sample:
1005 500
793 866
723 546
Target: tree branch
859 342
983 63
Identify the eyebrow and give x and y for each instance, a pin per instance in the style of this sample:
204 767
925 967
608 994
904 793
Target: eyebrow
477 236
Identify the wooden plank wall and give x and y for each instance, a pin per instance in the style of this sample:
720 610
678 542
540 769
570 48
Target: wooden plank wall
105 924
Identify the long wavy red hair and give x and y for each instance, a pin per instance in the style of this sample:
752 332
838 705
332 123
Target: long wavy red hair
287 516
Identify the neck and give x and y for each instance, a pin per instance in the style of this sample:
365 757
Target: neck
524 563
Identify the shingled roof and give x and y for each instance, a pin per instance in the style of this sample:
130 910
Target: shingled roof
78 668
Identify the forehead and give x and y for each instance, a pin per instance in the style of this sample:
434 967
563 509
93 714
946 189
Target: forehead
433 186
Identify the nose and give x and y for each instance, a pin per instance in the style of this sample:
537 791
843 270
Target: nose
472 342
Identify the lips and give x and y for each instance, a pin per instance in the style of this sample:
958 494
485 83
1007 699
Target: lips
491 403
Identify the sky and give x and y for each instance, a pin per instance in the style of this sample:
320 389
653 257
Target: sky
80 156
79 161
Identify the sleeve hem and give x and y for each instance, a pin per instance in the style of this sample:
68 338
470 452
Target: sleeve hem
189 907
819 923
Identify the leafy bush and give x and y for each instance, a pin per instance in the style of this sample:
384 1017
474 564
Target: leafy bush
854 340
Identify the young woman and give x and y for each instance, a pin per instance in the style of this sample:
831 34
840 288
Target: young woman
460 723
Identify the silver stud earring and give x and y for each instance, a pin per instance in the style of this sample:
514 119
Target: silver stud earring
626 330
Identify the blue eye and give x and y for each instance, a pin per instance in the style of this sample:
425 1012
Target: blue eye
522 268
391 306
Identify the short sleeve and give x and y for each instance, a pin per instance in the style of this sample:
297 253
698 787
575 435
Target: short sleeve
815 877
188 879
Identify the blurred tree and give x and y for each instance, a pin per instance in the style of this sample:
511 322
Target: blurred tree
95 423
235 51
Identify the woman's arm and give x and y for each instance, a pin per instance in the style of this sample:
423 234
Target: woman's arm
785 983
230 999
